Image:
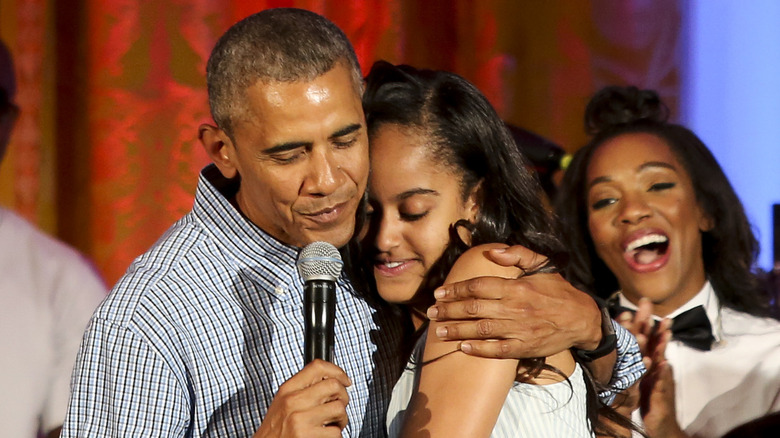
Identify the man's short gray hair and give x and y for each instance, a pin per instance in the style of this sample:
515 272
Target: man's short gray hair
283 44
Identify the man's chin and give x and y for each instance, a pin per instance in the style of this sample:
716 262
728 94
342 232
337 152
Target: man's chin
337 236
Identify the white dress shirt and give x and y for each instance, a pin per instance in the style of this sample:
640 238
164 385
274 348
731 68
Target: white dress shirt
738 380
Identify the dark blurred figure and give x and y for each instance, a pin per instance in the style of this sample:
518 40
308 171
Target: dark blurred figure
8 110
48 291
771 278
547 159
764 427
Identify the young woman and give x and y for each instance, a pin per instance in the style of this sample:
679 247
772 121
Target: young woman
648 212
446 181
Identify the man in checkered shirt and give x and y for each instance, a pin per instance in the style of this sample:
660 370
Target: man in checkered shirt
202 336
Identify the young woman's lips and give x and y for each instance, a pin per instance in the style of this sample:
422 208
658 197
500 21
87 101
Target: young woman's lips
392 268
646 251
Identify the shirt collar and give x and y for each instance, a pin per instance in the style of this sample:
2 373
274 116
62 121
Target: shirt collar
705 298
244 241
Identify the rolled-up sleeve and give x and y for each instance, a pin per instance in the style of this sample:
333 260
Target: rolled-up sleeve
628 366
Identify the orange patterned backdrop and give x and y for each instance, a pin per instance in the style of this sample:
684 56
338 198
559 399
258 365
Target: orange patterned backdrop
105 154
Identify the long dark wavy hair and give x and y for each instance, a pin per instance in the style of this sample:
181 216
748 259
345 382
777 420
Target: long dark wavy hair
729 249
467 137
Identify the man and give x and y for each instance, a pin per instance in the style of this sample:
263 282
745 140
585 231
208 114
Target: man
202 337
47 293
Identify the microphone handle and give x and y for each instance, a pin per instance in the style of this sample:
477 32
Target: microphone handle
319 299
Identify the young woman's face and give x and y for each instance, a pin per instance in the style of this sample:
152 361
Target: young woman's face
414 201
644 220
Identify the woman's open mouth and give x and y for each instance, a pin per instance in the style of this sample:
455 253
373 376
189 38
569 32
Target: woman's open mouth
647 253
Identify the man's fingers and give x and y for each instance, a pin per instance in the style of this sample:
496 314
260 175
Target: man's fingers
312 403
333 413
313 373
495 349
468 309
504 349
517 255
495 338
478 329
322 392
543 313
329 390
480 287
496 288
321 421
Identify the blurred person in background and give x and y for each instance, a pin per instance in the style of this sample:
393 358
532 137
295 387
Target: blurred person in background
48 291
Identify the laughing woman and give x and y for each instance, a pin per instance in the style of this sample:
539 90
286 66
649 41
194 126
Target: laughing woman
648 212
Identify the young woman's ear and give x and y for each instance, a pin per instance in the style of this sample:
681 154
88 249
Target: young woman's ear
473 202
219 147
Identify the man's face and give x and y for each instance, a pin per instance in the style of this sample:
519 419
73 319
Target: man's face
302 153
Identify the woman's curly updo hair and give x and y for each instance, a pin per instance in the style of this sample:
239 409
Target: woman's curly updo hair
729 249
616 107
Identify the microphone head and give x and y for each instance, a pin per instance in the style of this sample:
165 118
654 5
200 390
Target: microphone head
319 261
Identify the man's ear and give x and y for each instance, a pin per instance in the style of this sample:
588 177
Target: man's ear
219 147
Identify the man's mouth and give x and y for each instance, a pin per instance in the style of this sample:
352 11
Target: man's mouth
327 214
647 252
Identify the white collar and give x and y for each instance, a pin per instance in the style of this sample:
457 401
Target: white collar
705 298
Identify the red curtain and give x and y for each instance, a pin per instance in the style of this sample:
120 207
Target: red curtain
106 156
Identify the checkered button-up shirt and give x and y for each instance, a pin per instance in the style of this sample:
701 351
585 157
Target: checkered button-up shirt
199 334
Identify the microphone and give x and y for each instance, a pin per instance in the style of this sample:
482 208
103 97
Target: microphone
319 264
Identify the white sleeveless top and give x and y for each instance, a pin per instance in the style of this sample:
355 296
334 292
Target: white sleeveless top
555 410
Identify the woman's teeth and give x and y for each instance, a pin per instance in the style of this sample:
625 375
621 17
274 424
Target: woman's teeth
646 240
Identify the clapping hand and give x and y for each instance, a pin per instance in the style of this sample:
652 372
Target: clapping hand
654 396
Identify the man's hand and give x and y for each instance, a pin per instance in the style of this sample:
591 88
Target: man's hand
311 403
532 316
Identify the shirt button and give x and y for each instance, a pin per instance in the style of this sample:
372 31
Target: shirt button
280 290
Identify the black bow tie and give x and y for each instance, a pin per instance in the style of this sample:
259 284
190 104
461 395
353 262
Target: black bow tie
691 327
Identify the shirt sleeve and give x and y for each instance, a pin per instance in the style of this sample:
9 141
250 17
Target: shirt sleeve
122 387
628 366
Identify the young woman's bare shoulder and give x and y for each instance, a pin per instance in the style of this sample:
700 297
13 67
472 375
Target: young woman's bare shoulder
475 263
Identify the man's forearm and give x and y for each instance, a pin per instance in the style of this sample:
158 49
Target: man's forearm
603 368
602 358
